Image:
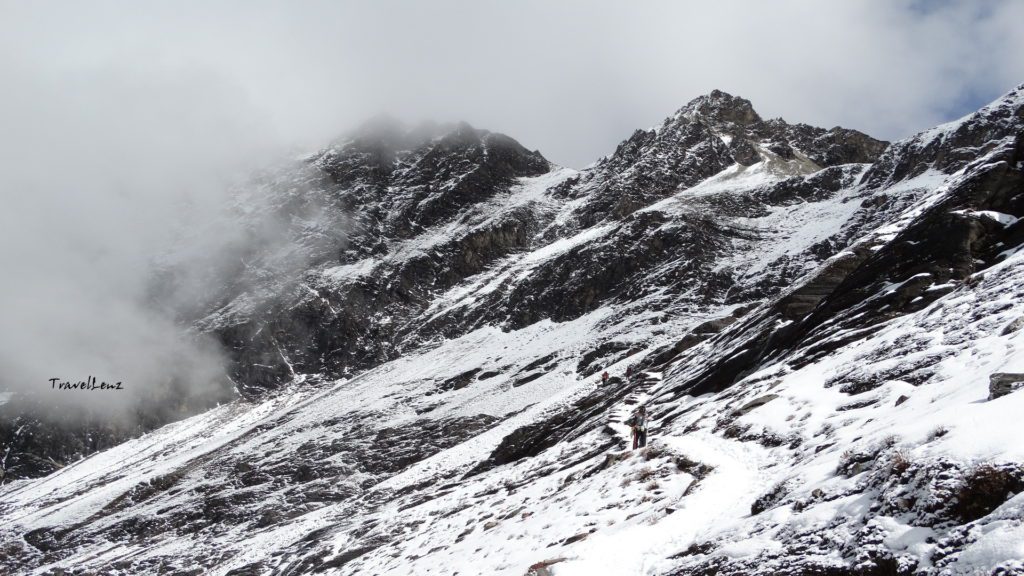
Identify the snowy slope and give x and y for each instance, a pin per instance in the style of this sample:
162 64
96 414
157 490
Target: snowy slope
813 337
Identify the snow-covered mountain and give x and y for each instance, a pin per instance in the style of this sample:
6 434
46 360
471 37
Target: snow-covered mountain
827 330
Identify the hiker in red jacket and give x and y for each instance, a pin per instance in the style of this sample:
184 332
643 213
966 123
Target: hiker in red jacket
604 377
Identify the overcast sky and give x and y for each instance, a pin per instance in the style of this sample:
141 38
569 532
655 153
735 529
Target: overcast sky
114 114
569 78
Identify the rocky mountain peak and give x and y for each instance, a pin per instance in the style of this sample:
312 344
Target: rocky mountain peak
718 108
461 143
383 149
705 137
752 139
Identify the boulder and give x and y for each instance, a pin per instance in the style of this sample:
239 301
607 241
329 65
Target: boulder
1002 383
744 152
1013 327
755 403
543 568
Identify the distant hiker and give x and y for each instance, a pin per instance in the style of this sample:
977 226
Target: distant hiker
604 377
638 425
631 422
629 371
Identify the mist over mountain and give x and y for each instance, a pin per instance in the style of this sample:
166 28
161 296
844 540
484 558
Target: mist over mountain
413 323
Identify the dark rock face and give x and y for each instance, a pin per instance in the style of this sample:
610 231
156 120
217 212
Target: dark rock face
724 109
951 242
405 446
463 167
735 117
743 152
225 492
398 187
945 246
392 195
35 446
1003 383
689 147
649 166
570 422
38 437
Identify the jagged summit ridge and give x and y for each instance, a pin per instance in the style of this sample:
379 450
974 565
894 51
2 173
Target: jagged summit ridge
707 136
950 146
749 136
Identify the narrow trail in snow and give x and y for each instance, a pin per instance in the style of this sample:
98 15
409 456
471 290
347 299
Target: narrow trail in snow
714 504
638 396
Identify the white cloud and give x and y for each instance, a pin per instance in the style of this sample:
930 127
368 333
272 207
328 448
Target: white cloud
570 78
